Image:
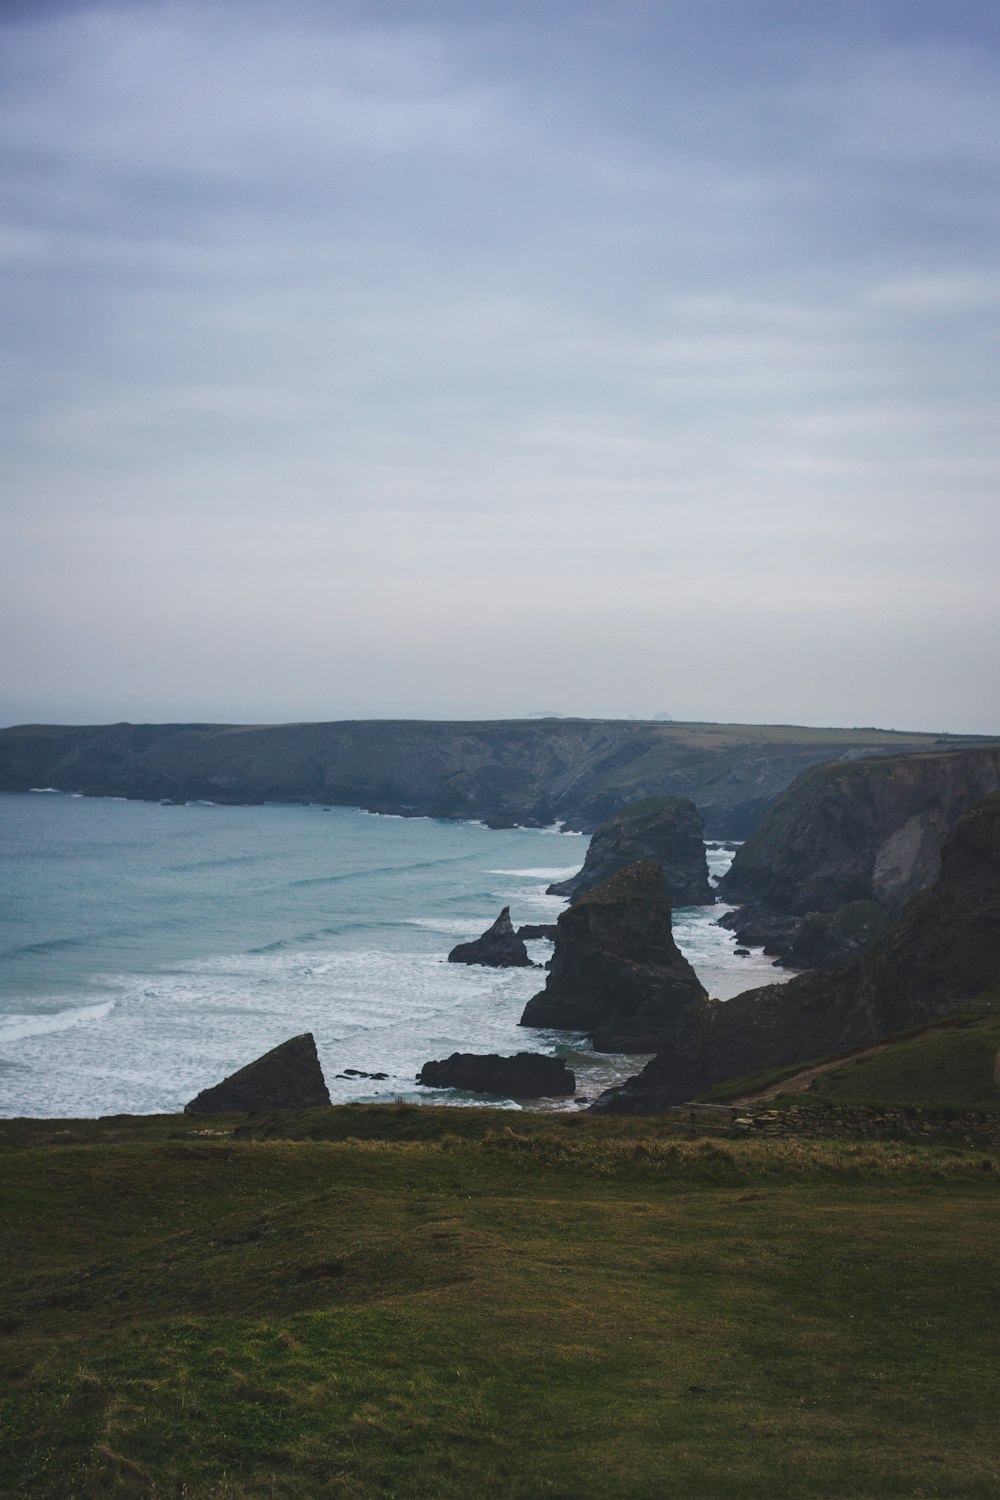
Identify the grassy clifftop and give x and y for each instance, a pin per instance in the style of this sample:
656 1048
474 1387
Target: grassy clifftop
510 1308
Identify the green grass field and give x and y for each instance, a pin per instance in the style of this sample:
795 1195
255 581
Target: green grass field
499 1305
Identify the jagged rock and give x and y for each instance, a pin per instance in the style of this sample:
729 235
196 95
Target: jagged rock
500 947
667 830
616 972
945 947
537 930
287 1077
527 1075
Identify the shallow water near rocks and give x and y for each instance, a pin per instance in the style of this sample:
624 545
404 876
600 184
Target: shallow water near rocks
146 951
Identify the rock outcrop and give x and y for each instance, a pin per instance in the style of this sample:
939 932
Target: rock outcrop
667 830
833 940
499 947
505 772
527 1075
844 839
287 1077
944 948
616 972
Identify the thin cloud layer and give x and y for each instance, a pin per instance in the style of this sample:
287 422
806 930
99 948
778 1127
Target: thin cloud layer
445 359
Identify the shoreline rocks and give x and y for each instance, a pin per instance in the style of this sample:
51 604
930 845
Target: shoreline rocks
526 1075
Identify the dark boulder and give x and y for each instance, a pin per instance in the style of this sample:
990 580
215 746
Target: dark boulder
287 1077
667 830
528 1075
616 972
945 947
500 947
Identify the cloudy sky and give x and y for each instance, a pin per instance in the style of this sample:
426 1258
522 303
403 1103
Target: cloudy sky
489 356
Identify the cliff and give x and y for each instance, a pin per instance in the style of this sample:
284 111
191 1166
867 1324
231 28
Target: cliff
505 772
945 947
667 830
616 972
865 830
845 847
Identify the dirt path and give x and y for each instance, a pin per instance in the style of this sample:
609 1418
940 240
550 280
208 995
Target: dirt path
799 1082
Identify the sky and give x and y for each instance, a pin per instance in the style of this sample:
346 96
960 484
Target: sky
424 359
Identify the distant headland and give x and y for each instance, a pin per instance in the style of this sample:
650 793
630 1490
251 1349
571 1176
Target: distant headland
506 772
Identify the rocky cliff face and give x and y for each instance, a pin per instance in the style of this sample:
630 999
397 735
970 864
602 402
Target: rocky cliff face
667 830
506 772
868 830
945 947
848 839
616 972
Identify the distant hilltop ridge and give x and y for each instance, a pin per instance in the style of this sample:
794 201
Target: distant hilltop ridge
505 772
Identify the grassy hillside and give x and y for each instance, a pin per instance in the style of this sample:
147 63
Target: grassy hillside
952 1063
513 1306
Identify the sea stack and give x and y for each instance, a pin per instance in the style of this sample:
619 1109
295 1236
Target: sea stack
616 972
499 947
287 1077
667 830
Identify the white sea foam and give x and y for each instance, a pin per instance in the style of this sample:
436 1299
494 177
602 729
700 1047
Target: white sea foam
16 1028
249 927
45 789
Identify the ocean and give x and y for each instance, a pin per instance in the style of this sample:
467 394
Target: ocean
147 951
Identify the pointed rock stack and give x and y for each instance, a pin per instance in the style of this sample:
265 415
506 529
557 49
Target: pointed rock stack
499 947
287 1077
616 972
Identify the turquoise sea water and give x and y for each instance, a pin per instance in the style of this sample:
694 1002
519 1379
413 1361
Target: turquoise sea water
146 951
